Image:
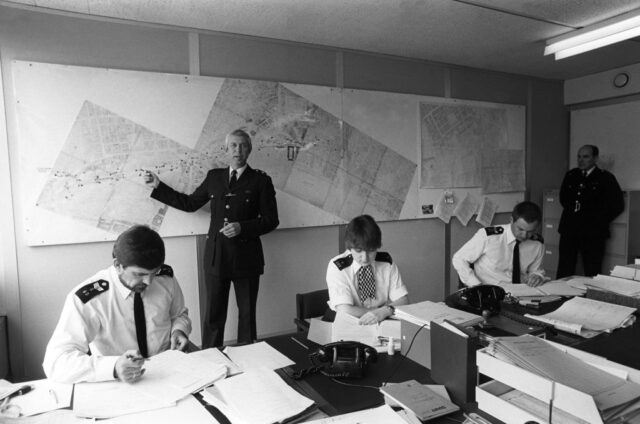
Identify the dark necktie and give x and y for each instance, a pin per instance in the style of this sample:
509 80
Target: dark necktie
366 283
141 325
515 269
233 179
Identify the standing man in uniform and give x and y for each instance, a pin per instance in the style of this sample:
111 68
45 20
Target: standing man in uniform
591 198
510 253
243 207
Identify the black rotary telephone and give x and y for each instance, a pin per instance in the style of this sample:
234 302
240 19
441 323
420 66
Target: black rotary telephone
476 299
343 359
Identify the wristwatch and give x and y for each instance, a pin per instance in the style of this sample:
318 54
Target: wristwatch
393 309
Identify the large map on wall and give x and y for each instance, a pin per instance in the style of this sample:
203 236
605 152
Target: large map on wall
88 134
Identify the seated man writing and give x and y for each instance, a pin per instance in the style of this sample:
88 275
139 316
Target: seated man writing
509 253
363 282
123 314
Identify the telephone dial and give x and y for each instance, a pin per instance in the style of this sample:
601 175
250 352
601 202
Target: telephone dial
477 299
343 359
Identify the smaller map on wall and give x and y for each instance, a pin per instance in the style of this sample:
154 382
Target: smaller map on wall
472 144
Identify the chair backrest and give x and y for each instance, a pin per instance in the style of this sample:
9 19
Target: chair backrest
311 304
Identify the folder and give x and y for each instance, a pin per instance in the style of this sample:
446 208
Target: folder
453 360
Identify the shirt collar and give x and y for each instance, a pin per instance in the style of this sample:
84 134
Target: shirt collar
510 237
122 290
356 266
239 171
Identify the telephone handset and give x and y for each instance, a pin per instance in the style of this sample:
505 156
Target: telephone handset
476 299
343 359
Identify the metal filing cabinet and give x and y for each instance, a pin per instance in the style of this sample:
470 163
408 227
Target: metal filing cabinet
622 247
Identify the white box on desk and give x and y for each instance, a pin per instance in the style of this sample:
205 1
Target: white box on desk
565 398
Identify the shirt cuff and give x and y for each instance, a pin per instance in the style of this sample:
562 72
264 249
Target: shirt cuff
342 300
105 367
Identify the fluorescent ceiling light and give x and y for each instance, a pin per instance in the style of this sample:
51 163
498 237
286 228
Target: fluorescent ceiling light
595 36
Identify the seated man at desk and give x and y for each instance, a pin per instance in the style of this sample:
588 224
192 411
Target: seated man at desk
123 314
510 253
363 282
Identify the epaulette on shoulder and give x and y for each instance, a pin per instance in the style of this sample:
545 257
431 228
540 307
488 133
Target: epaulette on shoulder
343 262
493 231
165 270
260 171
537 237
91 290
383 257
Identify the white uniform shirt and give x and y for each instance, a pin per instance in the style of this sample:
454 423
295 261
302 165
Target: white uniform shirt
106 324
492 257
343 288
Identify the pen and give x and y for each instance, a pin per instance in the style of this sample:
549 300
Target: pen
300 343
19 392
53 395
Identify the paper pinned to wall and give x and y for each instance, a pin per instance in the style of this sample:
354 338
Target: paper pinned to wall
465 209
486 212
446 206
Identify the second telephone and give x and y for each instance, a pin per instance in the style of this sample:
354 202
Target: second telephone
344 359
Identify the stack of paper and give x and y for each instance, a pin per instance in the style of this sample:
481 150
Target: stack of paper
260 354
380 415
611 393
552 288
617 285
631 271
424 313
588 317
419 399
169 377
257 396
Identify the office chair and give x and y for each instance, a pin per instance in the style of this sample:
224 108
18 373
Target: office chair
312 305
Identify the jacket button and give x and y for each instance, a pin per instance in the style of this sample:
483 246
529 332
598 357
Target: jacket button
227 207
212 196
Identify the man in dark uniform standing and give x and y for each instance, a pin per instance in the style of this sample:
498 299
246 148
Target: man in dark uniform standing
243 207
591 198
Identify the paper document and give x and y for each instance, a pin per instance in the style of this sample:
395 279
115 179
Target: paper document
486 212
551 288
631 271
257 396
45 396
617 285
172 375
589 314
346 327
319 331
113 398
465 209
380 415
257 354
187 410
424 312
215 356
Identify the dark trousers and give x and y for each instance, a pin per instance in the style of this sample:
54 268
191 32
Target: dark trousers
591 249
246 290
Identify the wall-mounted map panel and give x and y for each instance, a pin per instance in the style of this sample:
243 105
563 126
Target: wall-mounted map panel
87 134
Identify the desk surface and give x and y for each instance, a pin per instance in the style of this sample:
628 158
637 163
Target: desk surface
334 398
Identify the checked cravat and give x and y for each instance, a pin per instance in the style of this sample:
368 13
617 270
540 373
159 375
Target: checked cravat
366 283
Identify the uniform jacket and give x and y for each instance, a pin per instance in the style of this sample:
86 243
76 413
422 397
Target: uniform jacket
599 199
251 202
